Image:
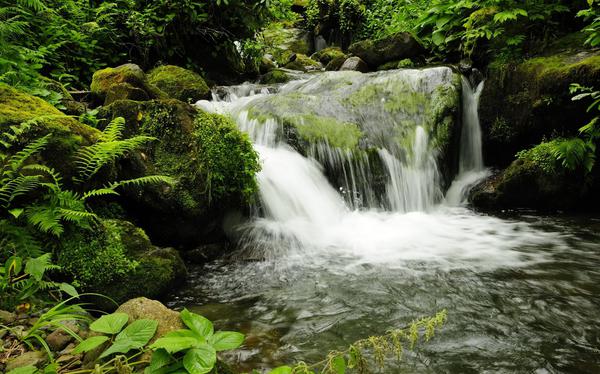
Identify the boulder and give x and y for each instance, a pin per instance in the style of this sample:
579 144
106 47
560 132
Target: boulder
179 83
354 64
104 79
125 91
58 339
275 76
524 102
266 64
117 259
395 47
303 63
213 162
282 41
144 308
325 56
68 134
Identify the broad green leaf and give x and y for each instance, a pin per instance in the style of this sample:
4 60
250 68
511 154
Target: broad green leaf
90 343
200 360
224 340
13 265
135 336
24 370
16 212
37 266
68 289
175 344
281 370
200 325
160 359
110 323
339 365
438 38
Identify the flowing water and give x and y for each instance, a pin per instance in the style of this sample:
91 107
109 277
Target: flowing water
325 263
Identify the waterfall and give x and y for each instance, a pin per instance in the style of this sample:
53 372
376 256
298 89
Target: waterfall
471 169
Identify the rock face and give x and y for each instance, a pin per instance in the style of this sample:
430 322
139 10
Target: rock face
283 41
523 103
212 160
354 64
118 260
325 56
143 308
392 48
103 80
179 83
304 63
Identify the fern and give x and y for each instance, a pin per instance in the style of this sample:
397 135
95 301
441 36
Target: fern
113 130
36 5
150 179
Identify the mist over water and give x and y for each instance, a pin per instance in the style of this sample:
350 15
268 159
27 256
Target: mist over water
325 263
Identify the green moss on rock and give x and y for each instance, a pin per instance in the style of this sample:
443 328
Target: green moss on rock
325 56
117 259
313 129
304 63
104 79
391 48
179 83
274 77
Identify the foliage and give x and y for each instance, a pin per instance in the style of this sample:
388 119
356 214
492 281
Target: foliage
392 343
592 15
193 349
347 15
387 17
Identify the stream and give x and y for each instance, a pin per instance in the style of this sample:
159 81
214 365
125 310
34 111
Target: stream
326 261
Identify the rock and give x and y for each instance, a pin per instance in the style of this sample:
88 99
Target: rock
266 64
193 146
398 46
325 56
132 74
206 253
524 102
30 358
179 83
125 91
68 134
274 77
58 339
402 64
118 260
335 64
354 64
7 317
282 41
304 63
143 308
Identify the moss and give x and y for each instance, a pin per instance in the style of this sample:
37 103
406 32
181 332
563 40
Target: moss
335 64
396 96
312 129
116 259
274 77
328 54
303 63
179 83
282 41
132 74
125 91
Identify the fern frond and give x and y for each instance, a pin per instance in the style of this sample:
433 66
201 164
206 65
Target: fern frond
142 181
56 178
19 158
12 188
91 159
99 192
46 219
36 5
113 130
77 216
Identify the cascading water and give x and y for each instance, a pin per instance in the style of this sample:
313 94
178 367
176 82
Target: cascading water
353 236
470 165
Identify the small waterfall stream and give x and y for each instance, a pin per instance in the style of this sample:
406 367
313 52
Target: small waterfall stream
347 244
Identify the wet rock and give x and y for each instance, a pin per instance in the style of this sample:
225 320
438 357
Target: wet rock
304 63
31 358
267 64
179 83
394 47
335 64
104 79
125 91
143 308
206 253
275 76
354 64
325 56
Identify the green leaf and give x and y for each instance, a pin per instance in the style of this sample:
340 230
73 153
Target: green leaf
68 289
160 359
24 370
36 267
281 370
339 365
90 343
110 323
173 343
224 340
16 212
200 360
200 325
135 336
438 38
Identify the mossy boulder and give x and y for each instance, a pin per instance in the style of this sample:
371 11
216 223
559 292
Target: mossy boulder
117 259
125 91
275 76
179 83
304 63
402 64
326 55
395 47
214 164
283 40
68 134
103 80
523 103
335 64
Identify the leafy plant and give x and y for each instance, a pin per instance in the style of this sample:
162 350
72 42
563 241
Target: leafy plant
354 358
193 349
592 15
